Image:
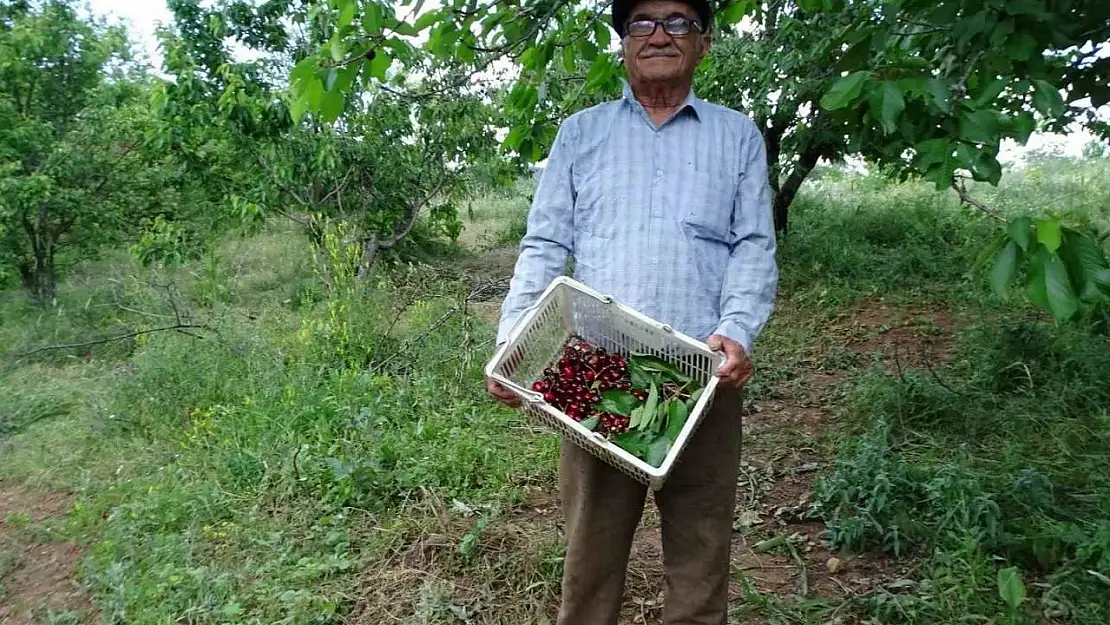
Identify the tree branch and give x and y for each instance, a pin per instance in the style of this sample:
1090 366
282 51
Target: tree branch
108 175
277 180
339 186
291 217
410 219
121 337
29 228
506 48
496 54
461 307
965 198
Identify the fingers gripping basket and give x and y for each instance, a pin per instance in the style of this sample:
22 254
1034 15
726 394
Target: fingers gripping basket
569 308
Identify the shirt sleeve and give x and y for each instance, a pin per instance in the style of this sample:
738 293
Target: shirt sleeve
549 238
750 284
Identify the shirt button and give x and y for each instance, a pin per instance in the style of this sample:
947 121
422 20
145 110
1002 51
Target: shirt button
658 173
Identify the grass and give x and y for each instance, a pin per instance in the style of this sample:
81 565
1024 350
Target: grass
999 465
227 476
319 449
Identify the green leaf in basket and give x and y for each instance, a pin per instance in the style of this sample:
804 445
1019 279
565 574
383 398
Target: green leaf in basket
657 451
634 442
618 402
661 412
635 418
641 379
652 403
651 363
676 417
690 403
591 423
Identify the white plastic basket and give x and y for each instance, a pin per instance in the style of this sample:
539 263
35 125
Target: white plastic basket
569 308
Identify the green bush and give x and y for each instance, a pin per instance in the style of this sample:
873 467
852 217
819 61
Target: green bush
1006 459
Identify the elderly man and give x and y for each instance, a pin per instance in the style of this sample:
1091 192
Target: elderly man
663 201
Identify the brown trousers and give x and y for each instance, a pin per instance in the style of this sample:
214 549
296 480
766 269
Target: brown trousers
603 507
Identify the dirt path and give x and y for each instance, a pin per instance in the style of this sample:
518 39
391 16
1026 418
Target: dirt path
36 570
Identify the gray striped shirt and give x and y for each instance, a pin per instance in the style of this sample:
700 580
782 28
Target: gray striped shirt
673 221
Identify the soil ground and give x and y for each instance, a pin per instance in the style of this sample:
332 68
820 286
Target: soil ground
37 569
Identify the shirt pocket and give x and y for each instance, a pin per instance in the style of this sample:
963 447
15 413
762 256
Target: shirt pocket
599 194
709 214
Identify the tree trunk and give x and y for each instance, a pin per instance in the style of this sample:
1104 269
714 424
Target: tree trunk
370 248
782 212
37 273
48 288
785 196
27 276
772 139
373 245
37 276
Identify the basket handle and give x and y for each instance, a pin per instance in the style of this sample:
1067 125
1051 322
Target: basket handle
515 329
594 293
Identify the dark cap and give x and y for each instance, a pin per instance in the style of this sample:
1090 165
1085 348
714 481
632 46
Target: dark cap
623 8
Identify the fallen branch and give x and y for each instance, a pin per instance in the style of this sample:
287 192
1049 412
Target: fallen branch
803 570
940 381
444 318
121 337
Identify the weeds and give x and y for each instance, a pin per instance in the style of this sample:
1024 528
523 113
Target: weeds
1009 468
327 452
859 237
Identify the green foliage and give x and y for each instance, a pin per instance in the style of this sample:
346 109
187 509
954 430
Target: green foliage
239 477
249 474
323 436
1001 463
1010 587
869 237
975 76
1066 271
931 88
69 132
364 156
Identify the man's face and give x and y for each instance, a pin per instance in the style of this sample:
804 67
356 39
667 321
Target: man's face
660 57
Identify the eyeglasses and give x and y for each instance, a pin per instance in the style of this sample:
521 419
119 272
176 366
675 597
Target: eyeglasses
674 26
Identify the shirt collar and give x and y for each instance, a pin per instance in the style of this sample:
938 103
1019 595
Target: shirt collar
692 101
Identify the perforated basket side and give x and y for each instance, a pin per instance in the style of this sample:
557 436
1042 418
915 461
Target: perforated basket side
534 344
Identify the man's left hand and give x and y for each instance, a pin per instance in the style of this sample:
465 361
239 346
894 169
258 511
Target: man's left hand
737 368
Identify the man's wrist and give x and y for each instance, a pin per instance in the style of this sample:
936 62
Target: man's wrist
734 331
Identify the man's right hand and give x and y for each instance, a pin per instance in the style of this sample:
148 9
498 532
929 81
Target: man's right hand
502 394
